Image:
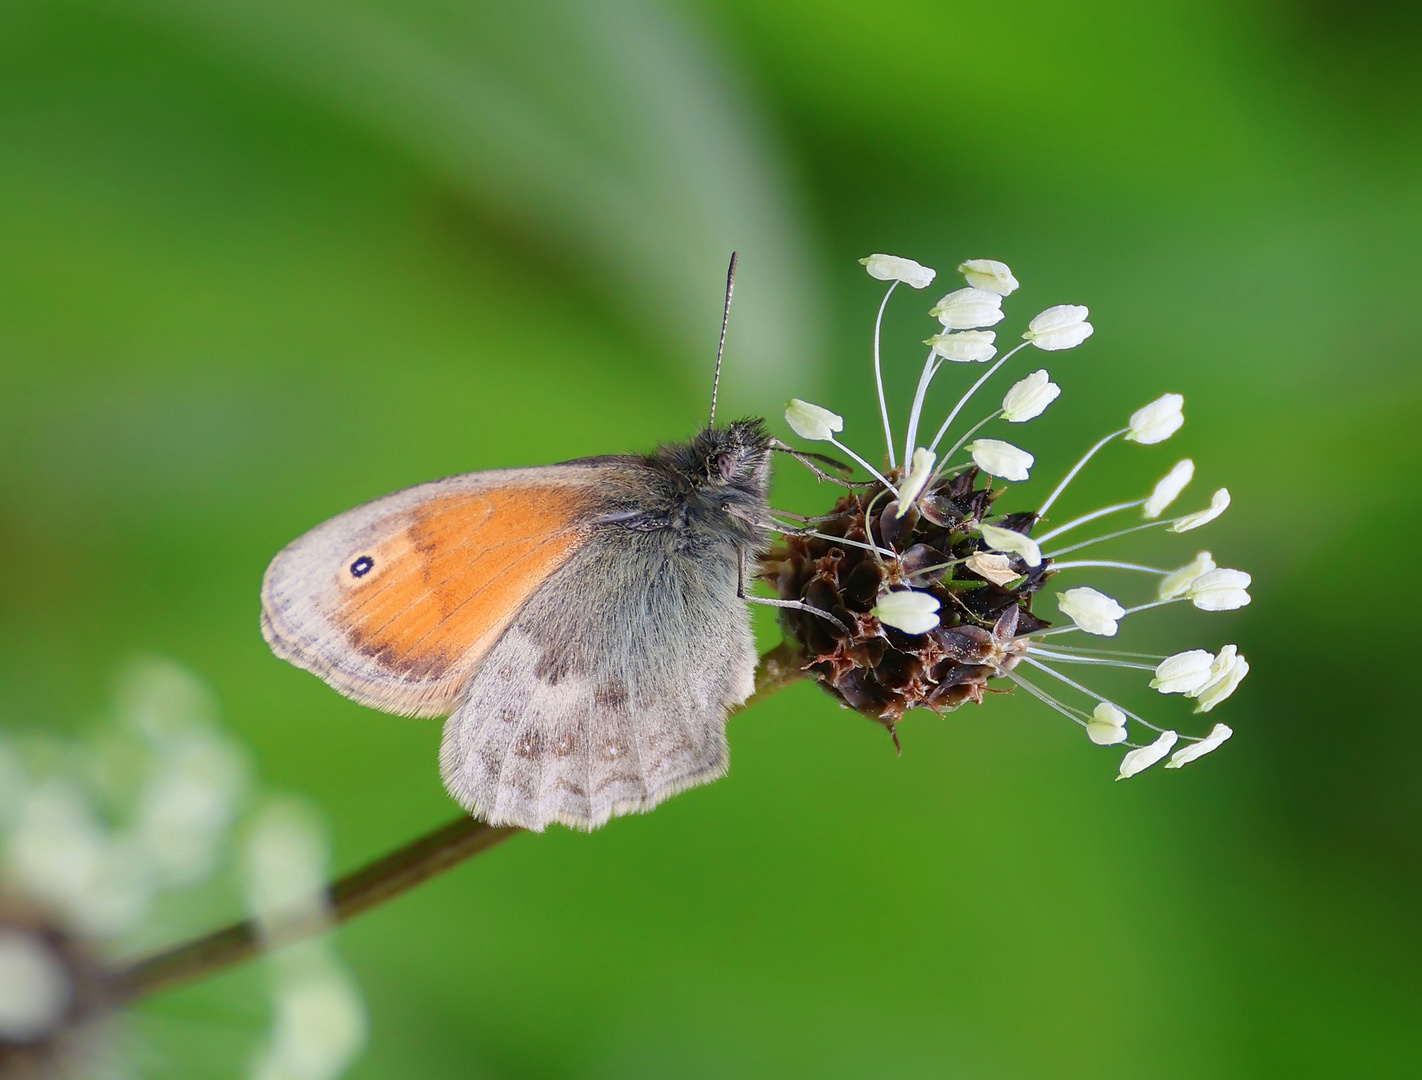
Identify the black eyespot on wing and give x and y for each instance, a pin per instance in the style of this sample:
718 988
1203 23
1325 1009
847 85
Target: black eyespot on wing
362 566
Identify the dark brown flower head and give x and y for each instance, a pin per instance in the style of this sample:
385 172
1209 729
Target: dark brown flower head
880 670
928 609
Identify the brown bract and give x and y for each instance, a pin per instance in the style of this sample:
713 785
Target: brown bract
876 669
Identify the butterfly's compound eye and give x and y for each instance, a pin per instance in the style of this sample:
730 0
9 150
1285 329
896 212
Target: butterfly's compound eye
362 566
726 463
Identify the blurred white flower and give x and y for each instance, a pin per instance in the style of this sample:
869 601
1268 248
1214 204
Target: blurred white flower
1093 611
1183 672
1178 582
908 610
1144 757
163 702
320 1015
1029 398
1220 590
320 1026
286 864
1157 421
1226 673
1169 488
189 805
34 988
1219 503
894 268
812 422
921 470
93 831
1060 327
964 347
1000 459
988 274
1107 725
1188 753
995 568
61 856
1010 540
968 309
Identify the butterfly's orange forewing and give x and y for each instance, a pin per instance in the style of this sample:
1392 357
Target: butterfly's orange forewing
453 575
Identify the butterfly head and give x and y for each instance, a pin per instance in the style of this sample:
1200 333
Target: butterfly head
734 457
721 467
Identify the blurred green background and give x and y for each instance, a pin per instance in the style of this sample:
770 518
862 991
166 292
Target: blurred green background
260 261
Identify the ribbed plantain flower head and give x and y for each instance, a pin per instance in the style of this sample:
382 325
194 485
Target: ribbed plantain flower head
918 588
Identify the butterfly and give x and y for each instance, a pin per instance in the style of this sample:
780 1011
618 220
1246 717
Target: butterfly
583 626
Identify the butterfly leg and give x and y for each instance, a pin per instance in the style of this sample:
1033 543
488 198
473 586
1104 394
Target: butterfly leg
808 460
805 520
784 530
793 605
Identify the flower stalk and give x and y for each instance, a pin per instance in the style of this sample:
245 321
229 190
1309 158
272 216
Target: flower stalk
368 887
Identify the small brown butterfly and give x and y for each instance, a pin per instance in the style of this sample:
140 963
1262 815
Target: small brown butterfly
582 625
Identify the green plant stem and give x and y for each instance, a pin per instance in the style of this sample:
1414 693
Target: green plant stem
370 886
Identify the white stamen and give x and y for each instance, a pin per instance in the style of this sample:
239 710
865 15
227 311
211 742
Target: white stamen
1001 459
1090 651
1060 327
1029 397
909 610
1102 539
1092 611
988 274
964 347
1092 694
1183 673
931 364
1076 469
962 401
989 418
1107 726
1226 673
869 468
1220 590
1144 757
879 377
1213 741
1177 583
1147 607
922 469
1073 564
1169 488
968 309
1157 421
896 268
1072 524
1099 661
1219 503
812 422
1010 540
1076 716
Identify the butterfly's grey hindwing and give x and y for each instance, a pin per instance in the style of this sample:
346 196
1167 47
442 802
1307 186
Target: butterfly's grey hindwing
608 694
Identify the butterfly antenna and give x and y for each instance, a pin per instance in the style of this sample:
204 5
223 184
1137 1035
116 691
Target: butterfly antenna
721 348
